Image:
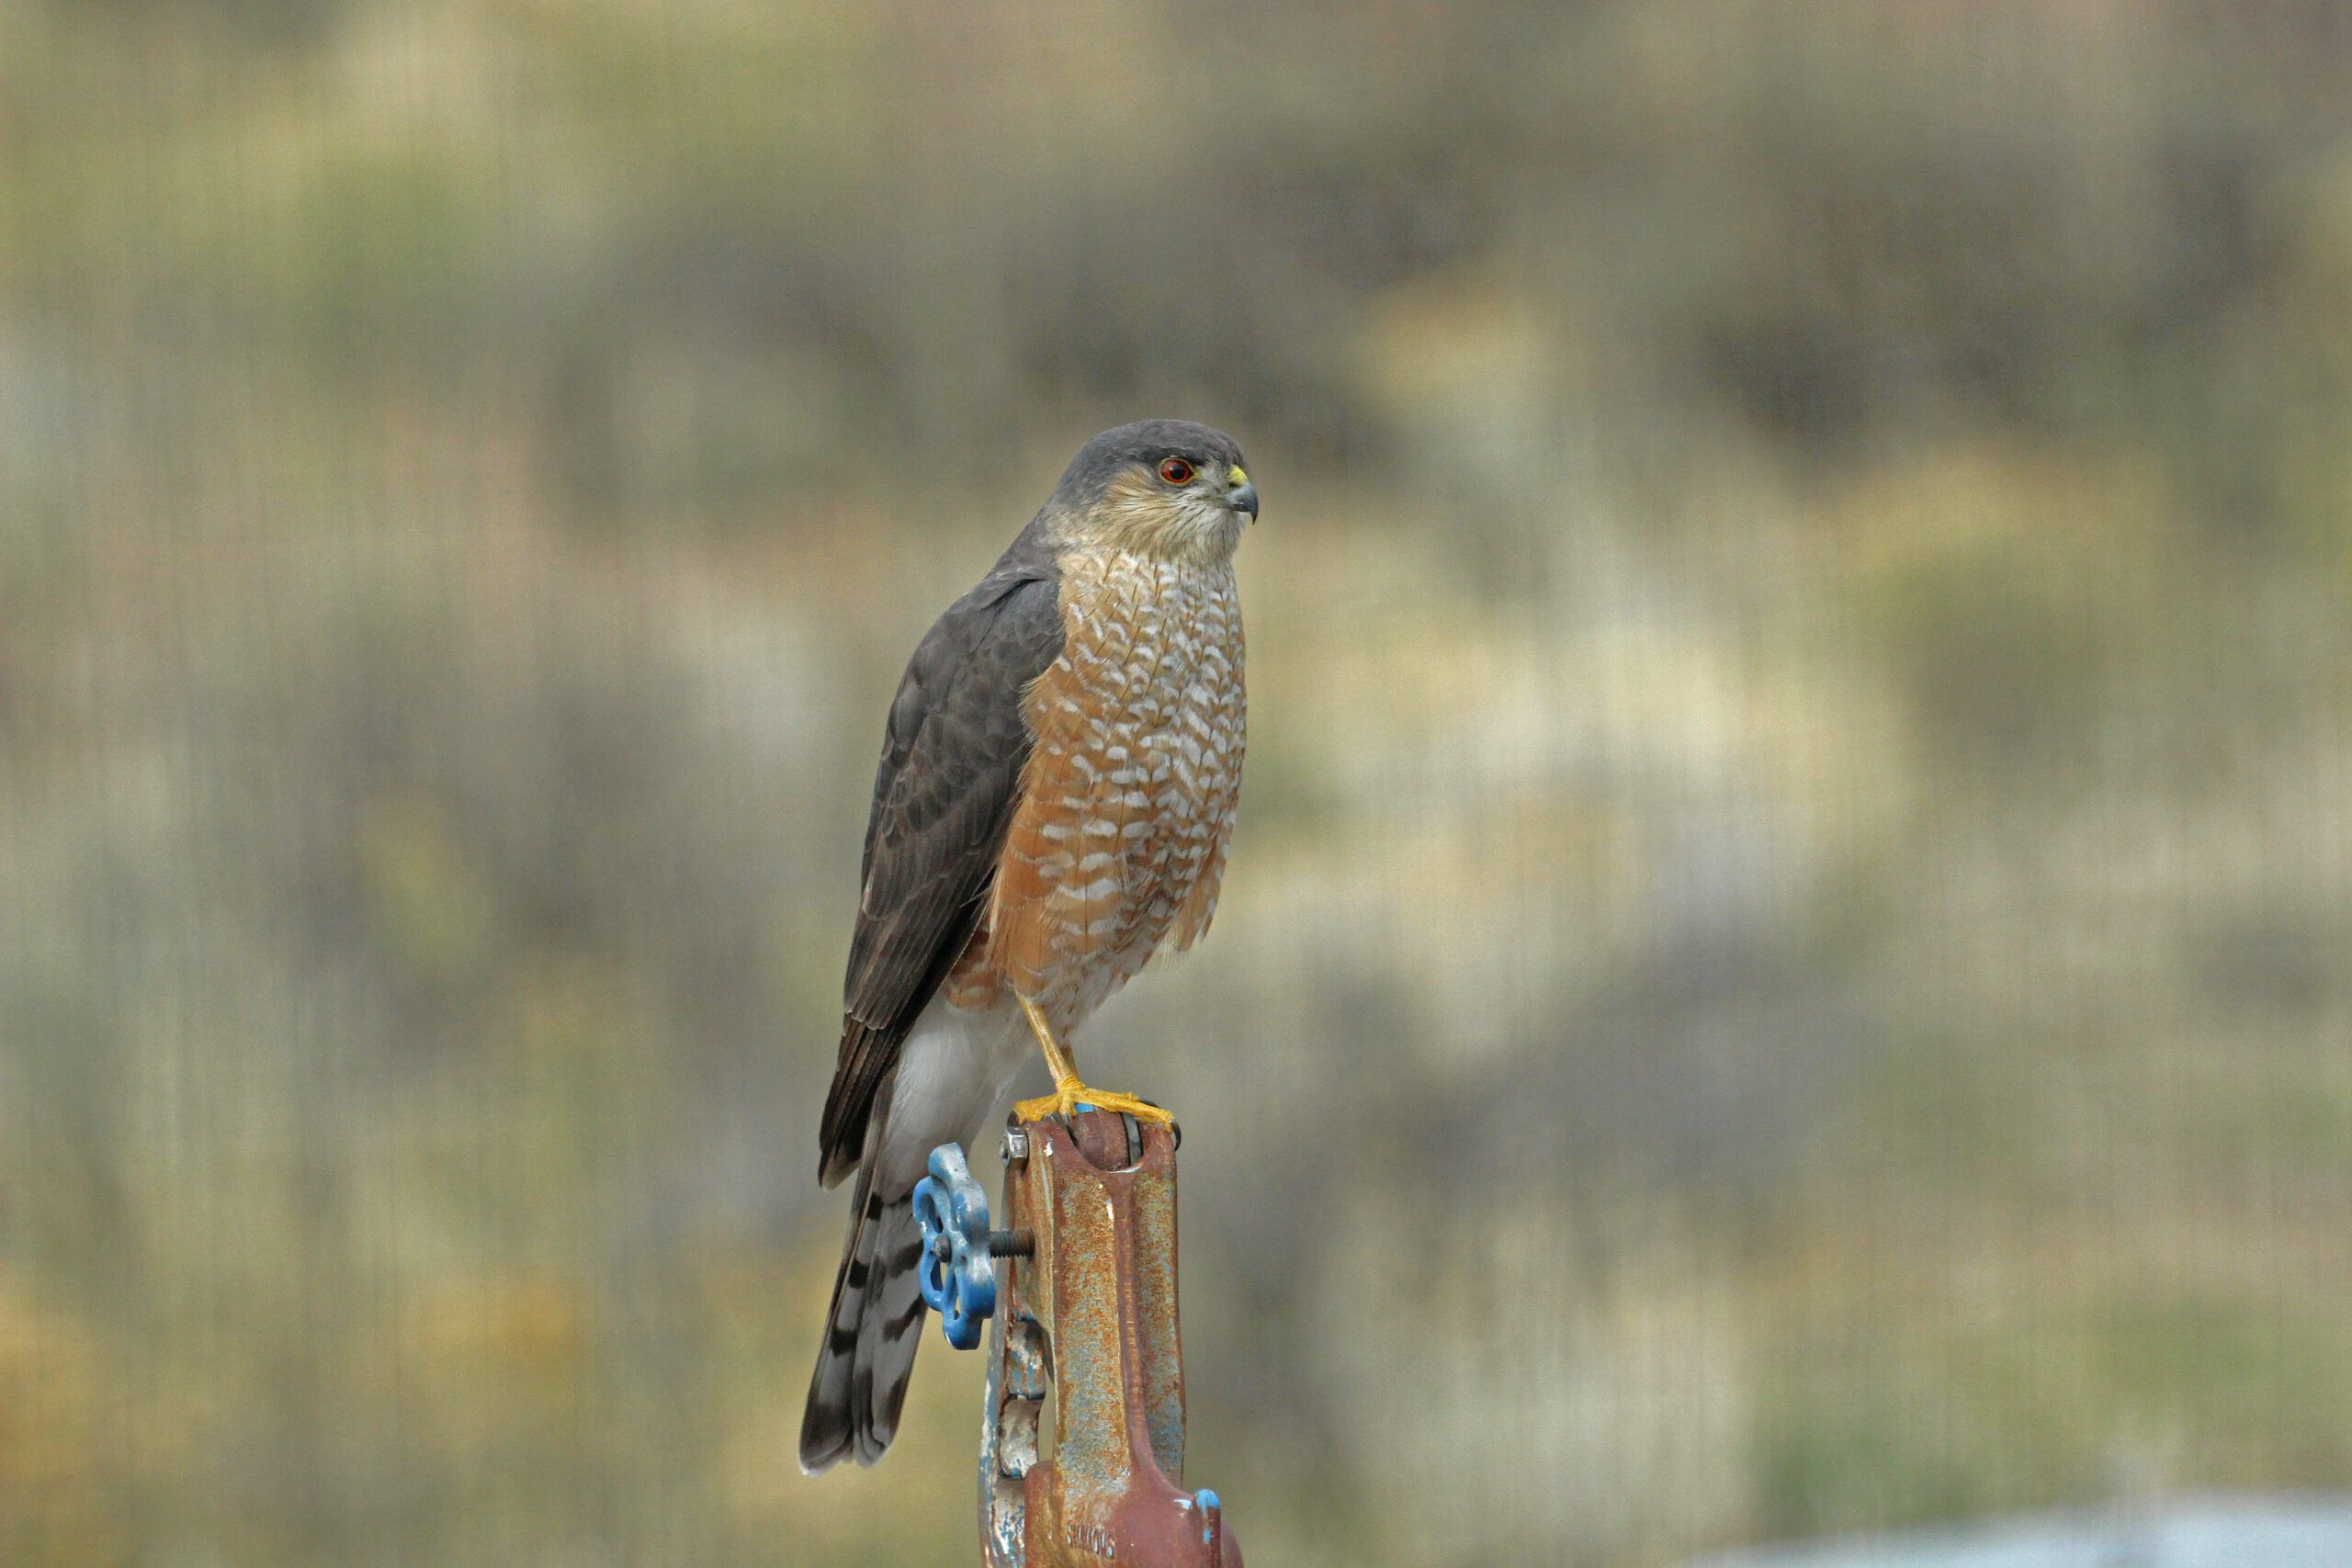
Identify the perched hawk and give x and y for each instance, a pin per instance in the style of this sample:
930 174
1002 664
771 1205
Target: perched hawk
1056 795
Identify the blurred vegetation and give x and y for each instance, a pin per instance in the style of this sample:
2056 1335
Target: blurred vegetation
1787 949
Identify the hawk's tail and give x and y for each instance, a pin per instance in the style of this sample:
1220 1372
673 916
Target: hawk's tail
871 1332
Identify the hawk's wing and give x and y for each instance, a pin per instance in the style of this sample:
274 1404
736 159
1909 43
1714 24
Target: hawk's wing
943 799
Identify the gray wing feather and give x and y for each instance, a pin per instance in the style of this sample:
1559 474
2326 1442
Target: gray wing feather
943 799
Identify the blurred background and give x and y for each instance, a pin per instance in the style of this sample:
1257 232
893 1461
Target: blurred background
1785 966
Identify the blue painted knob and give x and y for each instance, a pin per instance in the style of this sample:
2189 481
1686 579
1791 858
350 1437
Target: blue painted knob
957 1275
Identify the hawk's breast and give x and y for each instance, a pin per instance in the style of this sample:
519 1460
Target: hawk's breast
1118 842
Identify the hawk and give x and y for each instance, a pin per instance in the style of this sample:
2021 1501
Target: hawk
1055 795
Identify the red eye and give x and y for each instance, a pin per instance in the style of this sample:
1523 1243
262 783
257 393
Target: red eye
1176 472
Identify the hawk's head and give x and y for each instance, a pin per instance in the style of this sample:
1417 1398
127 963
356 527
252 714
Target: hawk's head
1163 487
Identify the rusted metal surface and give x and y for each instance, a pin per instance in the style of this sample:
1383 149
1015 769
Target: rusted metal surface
1088 1322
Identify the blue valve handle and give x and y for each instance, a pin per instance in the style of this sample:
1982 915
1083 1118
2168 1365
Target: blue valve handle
957 1275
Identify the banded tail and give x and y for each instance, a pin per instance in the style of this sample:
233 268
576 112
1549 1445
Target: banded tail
871 1329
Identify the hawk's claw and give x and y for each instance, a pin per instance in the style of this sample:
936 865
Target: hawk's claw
1070 1094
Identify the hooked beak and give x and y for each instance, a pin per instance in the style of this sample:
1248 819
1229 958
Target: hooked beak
1243 495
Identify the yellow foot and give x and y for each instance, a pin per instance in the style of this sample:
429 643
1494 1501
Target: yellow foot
1070 1094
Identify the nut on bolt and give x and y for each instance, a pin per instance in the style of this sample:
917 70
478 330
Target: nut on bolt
1015 1147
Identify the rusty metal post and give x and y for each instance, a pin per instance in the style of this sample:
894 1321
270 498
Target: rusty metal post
1086 1317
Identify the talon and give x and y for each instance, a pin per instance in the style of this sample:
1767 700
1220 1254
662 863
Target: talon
1070 1094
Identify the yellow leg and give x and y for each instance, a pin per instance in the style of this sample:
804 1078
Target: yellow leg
1068 1093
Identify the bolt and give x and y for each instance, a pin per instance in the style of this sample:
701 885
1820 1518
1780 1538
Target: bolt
1211 1510
1015 1147
1019 1243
